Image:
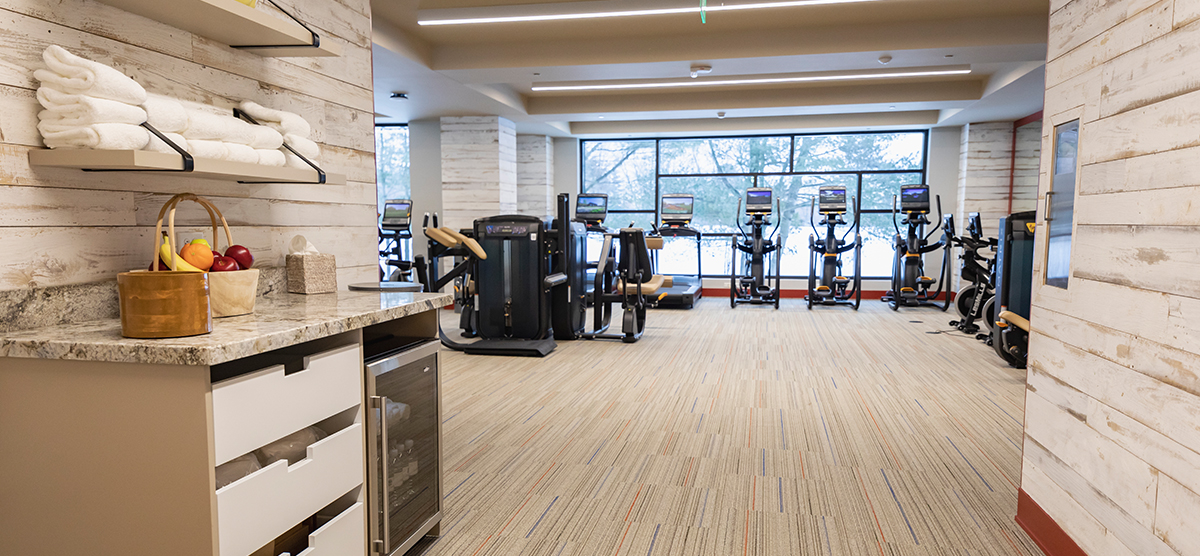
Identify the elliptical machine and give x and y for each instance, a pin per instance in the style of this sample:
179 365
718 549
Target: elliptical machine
395 227
972 300
752 285
910 285
835 288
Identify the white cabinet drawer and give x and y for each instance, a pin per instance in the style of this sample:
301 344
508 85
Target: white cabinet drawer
345 535
254 409
257 508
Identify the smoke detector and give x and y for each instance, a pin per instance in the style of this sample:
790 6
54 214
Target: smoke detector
698 70
885 59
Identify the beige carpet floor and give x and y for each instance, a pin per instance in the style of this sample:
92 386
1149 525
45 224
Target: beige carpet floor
745 431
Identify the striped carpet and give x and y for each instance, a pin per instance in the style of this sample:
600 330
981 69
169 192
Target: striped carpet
743 431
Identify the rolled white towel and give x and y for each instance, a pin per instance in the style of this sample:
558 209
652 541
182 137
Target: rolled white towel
165 114
207 149
241 153
265 138
218 127
271 157
157 145
75 110
306 147
281 121
74 75
118 137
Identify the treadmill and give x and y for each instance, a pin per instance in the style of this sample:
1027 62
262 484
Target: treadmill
676 216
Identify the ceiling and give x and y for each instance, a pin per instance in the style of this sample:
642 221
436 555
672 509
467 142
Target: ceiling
492 68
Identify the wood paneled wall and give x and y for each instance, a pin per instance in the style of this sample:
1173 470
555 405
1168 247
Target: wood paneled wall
986 167
479 169
535 175
65 227
1112 426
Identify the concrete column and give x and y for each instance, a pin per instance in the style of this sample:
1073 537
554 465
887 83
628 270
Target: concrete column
535 175
479 169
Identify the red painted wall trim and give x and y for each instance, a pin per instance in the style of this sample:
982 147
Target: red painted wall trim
1043 529
792 294
1036 116
1012 170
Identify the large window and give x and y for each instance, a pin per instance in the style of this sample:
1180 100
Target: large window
718 170
391 182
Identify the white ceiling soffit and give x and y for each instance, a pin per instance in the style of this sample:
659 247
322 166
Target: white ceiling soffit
492 68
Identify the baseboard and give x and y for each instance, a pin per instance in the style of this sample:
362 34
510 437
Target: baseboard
1043 529
873 295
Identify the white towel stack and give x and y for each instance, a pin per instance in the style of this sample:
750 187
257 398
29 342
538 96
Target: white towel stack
296 131
88 104
212 135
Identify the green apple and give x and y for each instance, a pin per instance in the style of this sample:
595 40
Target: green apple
202 241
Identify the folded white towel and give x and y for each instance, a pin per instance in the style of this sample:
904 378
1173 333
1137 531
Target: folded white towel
165 114
281 121
265 138
218 127
77 110
293 161
271 157
207 149
71 74
157 145
241 153
117 137
306 147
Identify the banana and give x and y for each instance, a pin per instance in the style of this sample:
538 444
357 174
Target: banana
164 251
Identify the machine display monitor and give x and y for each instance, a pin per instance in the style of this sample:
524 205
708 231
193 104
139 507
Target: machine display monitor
914 198
832 200
591 207
397 213
758 201
677 207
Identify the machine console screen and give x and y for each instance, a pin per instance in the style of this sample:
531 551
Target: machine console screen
833 200
591 207
914 198
397 213
677 207
758 201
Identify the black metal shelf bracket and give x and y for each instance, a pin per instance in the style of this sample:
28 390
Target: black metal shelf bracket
321 177
316 39
189 163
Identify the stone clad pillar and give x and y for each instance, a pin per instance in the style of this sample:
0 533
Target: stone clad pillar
479 169
535 175
986 163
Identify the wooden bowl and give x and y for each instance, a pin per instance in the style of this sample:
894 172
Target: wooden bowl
232 293
164 304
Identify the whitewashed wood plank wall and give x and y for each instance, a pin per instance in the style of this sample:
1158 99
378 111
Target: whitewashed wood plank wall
479 169
1112 443
67 227
535 175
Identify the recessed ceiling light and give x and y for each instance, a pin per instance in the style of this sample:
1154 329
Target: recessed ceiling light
400 96
626 13
600 117
891 108
746 81
949 55
885 59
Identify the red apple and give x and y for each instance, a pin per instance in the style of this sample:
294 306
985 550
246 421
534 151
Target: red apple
161 266
240 254
216 254
223 264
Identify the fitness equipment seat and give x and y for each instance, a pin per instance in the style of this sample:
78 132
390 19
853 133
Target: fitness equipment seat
449 244
1014 285
835 288
973 300
910 285
752 284
629 280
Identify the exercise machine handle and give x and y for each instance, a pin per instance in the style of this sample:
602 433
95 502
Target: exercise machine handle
554 280
425 221
895 209
778 220
812 215
854 226
738 220
939 221
435 220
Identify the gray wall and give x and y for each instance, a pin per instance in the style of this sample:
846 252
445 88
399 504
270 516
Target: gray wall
566 167
425 172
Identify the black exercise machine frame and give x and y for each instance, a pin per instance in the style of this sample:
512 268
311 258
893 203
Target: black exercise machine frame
821 248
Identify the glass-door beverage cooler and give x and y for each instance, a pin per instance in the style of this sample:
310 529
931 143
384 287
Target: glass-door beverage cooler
404 446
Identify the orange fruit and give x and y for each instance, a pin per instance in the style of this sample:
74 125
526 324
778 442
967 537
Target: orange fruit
197 255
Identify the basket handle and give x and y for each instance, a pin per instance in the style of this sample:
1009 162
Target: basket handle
213 214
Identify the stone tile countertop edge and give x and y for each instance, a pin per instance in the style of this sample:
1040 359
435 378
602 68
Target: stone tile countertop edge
278 321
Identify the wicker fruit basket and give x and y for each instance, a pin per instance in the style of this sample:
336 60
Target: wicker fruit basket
231 293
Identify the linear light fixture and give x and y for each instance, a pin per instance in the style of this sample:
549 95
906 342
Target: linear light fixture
627 13
748 81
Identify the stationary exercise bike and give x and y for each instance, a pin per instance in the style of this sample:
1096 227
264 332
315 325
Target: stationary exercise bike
395 228
835 288
752 285
973 300
910 286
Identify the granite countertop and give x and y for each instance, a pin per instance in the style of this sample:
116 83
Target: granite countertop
278 321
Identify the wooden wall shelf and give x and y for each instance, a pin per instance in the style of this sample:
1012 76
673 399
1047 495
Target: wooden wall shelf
234 24
147 161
